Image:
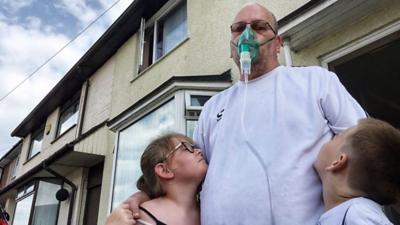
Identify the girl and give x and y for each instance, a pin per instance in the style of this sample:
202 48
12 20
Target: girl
173 169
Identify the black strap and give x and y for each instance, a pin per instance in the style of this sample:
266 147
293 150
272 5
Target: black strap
152 216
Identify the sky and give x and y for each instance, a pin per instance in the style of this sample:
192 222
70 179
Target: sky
32 31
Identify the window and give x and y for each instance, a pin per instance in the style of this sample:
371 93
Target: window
24 206
194 102
371 75
14 167
22 211
162 33
179 114
131 144
46 205
36 142
68 115
37 203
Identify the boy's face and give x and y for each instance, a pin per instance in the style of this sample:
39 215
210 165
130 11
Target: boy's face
330 152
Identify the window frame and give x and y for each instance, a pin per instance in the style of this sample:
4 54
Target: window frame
13 172
73 102
25 194
36 133
150 108
194 110
166 10
179 96
31 189
189 94
362 42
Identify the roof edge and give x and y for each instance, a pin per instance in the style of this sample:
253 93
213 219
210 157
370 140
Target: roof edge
298 12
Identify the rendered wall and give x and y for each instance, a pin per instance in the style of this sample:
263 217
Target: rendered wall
205 52
98 103
378 18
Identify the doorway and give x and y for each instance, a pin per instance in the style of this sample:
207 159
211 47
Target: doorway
372 76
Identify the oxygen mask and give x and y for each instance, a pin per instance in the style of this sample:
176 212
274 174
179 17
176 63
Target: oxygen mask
247 47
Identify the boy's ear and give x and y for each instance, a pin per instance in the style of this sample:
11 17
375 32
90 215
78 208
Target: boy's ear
161 170
338 164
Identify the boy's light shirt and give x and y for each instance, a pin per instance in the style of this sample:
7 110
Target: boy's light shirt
360 211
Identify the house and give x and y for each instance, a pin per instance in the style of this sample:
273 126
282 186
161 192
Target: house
152 71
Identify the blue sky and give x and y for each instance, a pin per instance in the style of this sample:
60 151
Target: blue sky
31 32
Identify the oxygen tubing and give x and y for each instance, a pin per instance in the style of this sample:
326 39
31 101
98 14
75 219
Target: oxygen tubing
254 150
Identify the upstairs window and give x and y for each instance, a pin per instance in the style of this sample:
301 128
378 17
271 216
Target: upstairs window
162 33
68 115
14 167
36 142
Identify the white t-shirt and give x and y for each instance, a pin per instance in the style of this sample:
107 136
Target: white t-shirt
356 211
290 113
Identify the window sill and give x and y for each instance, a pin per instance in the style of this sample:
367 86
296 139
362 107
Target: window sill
158 60
62 134
28 160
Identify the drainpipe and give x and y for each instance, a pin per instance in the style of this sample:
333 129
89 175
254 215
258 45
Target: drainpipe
286 51
73 187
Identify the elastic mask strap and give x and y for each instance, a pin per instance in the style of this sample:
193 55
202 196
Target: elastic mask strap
260 43
267 41
234 44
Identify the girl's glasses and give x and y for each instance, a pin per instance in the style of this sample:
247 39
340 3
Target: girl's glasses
186 146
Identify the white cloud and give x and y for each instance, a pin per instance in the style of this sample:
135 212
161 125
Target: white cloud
83 12
117 10
15 5
22 50
28 45
33 22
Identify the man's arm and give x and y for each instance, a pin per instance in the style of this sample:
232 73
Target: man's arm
121 215
135 200
340 108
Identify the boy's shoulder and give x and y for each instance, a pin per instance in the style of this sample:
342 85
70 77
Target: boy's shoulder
356 211
365 211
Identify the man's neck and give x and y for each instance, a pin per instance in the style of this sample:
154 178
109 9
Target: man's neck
255 73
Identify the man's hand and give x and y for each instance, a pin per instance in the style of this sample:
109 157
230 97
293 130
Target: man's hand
121 215
134 201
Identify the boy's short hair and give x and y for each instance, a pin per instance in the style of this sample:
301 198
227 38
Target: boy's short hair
374 160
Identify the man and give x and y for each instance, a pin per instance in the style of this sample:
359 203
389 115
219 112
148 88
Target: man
261 138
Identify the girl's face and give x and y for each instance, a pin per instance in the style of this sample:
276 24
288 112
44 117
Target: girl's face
186 160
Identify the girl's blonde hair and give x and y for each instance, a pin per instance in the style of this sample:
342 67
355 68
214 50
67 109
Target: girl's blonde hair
155 153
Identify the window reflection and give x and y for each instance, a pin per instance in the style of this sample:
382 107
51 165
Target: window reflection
22 211
132 142
190 125
46 204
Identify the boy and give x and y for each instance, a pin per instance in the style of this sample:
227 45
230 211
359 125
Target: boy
360 171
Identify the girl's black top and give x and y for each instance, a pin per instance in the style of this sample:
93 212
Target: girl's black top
152 216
